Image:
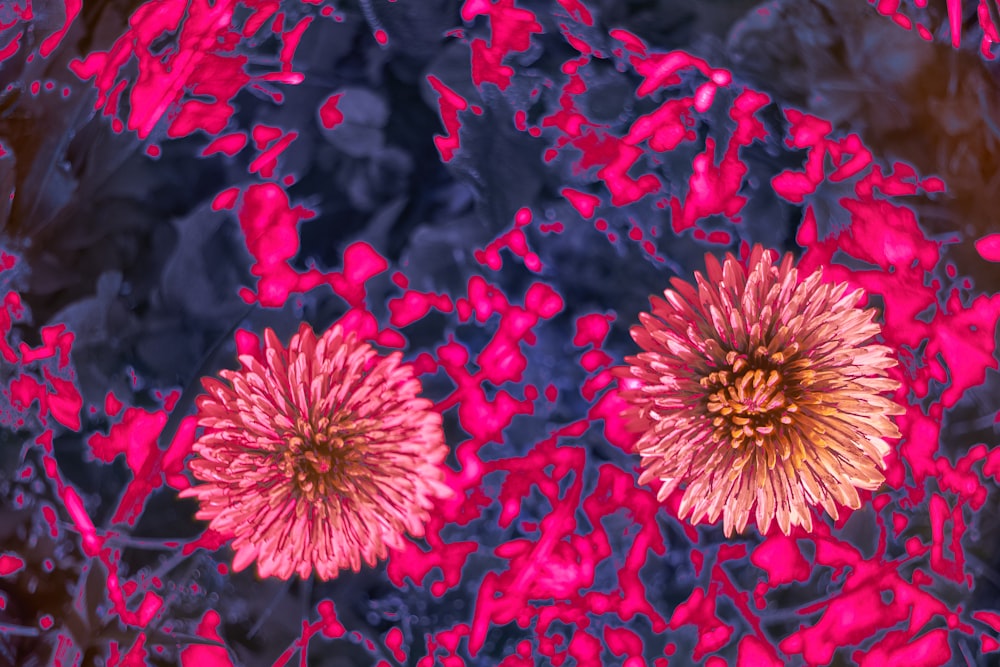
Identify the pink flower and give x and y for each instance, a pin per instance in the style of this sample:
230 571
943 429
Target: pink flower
319 458
758 388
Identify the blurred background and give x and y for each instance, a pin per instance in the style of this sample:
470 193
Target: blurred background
131 135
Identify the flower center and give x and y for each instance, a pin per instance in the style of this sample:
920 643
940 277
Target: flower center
747 400
319 457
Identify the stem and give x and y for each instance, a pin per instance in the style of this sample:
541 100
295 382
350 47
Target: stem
18 630
371 18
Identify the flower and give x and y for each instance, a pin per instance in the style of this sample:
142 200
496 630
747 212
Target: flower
760 388
317 457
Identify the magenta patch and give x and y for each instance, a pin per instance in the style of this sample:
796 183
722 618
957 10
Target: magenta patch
329 115
197 655
989 247
10 564
450 104
511 27
136 435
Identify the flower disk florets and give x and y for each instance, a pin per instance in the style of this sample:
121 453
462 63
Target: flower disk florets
318 457
757 389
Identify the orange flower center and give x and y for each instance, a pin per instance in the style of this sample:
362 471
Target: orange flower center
319 457
747 399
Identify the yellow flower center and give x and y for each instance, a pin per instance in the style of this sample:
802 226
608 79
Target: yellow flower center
747 399
319 457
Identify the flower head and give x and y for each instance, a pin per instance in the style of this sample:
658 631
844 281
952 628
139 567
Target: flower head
758 388
319 458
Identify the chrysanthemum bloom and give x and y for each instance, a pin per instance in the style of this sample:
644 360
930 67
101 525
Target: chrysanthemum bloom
319 458
758 388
